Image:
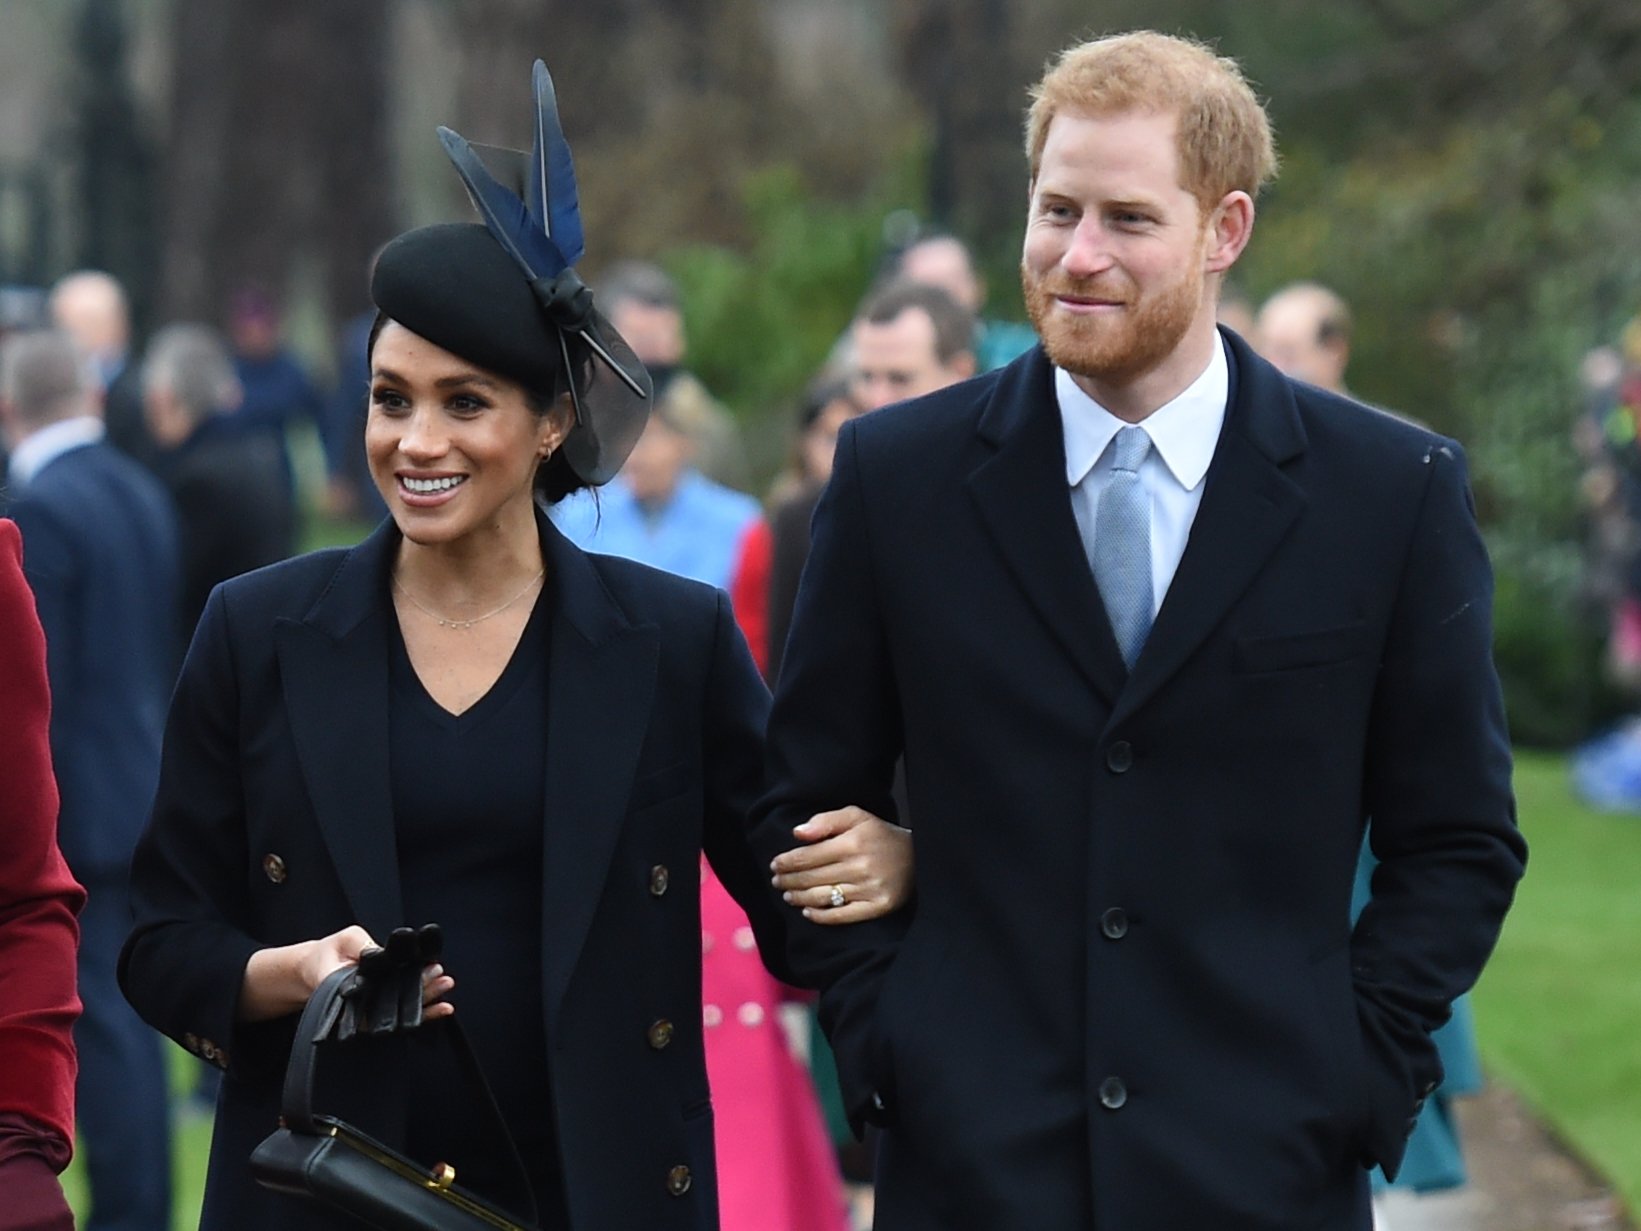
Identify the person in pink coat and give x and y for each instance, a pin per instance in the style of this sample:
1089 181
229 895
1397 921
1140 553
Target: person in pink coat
777 1170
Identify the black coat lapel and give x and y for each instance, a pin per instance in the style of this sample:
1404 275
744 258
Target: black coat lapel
333 666
603 674
1248 505
1025 503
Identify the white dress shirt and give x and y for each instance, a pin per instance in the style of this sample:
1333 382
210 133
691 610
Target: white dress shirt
39 449
1183 433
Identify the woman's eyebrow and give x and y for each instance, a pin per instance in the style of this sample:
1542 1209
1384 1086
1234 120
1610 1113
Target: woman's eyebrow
444 382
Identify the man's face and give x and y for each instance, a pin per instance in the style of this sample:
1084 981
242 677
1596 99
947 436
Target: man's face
91 311
898 360
944 263
1115 262
1289 335
656 334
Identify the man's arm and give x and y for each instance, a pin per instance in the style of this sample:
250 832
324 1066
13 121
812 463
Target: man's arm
834 738
1443 817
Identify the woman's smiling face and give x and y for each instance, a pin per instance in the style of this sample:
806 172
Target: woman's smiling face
452 447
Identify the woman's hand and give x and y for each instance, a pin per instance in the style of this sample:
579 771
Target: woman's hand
855 867
280 980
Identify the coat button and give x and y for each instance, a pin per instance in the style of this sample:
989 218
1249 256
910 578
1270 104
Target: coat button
659 1034
659 880
1119 758
679 1180
1114 923
1113 1094
273 867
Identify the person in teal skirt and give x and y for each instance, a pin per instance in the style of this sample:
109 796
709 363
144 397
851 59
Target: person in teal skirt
1434 1161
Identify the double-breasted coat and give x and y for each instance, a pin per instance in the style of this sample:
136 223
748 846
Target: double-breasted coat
273 824
1131 997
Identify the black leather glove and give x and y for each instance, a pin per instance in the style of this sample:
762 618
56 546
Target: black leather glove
384 994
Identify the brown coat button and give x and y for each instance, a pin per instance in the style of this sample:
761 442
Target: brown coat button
659 879
660 1034
679 1180
273 867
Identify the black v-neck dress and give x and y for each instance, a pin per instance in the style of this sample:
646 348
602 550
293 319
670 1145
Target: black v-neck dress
468 807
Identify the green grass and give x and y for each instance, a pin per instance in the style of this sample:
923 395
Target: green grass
190 1142
1558 1011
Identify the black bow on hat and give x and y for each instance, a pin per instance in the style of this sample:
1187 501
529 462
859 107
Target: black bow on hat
536 219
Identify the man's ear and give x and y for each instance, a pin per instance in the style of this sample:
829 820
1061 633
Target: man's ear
1230 226
963 364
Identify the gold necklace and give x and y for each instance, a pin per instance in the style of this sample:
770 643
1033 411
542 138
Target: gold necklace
444 623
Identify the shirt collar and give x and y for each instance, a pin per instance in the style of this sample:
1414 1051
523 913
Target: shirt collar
45 446
1183 432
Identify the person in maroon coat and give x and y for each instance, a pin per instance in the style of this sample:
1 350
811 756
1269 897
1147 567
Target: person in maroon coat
38 933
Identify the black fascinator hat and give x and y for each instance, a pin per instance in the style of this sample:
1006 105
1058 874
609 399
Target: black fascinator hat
505 294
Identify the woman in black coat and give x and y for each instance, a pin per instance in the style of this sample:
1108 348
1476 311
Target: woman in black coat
467 720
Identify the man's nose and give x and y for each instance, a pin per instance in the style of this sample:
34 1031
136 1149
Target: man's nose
1089 251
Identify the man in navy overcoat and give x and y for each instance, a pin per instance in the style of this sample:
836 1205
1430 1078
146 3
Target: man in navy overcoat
1155 628
100 551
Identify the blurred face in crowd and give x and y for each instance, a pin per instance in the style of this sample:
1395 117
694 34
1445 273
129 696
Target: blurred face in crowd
944 262
168 420
1290 335
657 462
1118 253
656 334
90 308
898 359
255 335
453 448
820 438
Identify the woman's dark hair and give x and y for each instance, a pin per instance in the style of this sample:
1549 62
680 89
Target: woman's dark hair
820 394
554 478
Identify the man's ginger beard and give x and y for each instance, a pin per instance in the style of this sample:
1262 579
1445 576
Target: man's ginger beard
1116 349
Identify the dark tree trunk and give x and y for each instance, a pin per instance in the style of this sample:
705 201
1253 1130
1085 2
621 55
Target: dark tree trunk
960 62
115 159
279 149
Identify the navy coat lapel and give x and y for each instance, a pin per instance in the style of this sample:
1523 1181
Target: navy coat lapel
1248 505
333 667
1025 503
603 676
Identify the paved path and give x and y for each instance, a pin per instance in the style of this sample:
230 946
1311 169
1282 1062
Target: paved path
1521 1180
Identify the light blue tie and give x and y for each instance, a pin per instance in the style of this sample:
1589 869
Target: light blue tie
1122 544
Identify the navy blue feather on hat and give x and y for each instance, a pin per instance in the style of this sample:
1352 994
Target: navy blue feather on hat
506 295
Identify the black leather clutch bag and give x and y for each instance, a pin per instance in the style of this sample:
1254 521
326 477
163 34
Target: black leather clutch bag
322 1159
